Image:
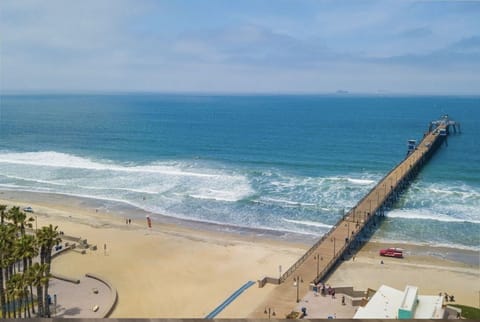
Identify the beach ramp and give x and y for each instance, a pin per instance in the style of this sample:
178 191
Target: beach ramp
229 300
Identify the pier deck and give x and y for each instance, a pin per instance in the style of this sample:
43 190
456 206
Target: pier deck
346 235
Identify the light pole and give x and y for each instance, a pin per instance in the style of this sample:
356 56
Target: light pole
270 311
298 280
333 240
318 258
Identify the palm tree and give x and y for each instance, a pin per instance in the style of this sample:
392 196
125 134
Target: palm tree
24 294
29 276
7 238
13 285
2 213
20 293
4 236
25 250
20 219
40 279
47 238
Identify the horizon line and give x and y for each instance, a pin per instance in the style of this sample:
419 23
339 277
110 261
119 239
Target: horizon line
339 93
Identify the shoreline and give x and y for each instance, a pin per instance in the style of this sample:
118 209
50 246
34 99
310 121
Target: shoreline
191 269
121 210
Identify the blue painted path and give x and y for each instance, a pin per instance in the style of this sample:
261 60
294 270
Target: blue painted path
229 300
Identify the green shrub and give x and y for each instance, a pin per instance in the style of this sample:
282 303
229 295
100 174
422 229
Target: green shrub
468 312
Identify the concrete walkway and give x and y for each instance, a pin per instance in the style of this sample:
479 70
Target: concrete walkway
79 300
323 307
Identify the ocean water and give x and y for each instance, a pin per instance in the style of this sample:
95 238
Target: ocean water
279 163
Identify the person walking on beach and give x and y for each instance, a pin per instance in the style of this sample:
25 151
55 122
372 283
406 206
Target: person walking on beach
105 249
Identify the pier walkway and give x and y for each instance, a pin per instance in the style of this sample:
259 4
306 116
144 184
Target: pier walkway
352 229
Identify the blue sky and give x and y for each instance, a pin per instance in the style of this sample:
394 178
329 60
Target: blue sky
261 46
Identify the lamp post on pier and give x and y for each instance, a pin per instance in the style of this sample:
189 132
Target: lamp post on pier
318 258
298 280
270 311
333 240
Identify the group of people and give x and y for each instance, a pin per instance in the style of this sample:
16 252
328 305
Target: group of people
450 298
327 290
128 221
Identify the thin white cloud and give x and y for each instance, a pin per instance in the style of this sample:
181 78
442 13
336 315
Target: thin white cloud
319 46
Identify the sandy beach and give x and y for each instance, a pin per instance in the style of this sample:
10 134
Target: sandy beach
166 271
430 273
174 271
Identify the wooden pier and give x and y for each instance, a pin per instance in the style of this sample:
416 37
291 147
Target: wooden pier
354 227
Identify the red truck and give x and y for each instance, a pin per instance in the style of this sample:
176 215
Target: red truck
392 252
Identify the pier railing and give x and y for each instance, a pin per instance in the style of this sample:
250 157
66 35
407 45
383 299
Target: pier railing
388 191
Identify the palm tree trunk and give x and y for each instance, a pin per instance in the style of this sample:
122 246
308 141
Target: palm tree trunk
26 305
2 296
20 302
45 299
31 299
14 307
48 259
7 306
40 300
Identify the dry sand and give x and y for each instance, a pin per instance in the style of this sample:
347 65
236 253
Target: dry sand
171 271
431 274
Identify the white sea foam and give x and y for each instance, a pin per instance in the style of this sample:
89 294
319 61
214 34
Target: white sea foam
307 223
459 201
106 180
214 197
288 202
141 191
425 214
34 180
63 160
360 181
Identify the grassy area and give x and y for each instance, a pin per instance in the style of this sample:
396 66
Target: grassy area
468 312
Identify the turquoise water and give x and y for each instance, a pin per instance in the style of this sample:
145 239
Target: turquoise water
279 163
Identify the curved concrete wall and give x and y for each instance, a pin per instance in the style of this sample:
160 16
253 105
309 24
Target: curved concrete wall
113 292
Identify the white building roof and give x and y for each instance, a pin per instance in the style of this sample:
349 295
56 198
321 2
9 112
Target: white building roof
429 307
385 303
